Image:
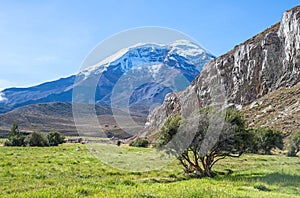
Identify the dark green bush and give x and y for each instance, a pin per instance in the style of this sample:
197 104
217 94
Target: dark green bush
15 137
266 139
169 129
294 144
139 142
7 143
55 138
119 143
17 140
37 139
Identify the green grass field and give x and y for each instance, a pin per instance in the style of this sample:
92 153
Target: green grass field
66 171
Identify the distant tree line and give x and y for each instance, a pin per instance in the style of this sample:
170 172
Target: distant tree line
17 138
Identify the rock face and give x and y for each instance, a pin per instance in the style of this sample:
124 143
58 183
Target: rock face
264 63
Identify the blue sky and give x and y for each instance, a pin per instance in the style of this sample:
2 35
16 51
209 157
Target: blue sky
49 39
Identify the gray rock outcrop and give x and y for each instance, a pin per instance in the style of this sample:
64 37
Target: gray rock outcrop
264 63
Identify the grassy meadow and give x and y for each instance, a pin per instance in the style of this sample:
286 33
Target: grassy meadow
70 171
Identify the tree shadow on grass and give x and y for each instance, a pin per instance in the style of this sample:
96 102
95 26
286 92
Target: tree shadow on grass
279 179
164 180
276 178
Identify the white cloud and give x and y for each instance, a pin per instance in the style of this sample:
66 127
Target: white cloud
2 97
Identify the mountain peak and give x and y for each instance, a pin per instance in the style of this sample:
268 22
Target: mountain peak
151 59
142 53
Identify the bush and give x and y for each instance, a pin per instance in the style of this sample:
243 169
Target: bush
7 143
266 139
168 130
15 137
294 144
139 142
17 140
37 139
119 143
55 138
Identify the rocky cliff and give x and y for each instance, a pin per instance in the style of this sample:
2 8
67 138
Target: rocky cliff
264 63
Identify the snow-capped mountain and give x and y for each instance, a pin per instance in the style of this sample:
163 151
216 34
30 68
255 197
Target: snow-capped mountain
180 53
144 73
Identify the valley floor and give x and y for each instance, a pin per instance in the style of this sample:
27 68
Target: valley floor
70 171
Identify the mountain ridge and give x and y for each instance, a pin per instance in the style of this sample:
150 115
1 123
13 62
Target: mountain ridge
264 63
58 116
185 57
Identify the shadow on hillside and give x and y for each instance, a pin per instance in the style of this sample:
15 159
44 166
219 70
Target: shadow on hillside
279 179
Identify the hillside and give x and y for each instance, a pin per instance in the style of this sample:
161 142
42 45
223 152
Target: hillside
279 109
58 116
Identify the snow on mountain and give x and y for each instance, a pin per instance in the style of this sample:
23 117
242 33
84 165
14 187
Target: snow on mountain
143 53
157 62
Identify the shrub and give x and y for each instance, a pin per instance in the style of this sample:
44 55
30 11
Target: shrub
266 139
55 138
119 143
139 142
294 144
15 137
17 140
7 143
37 139
168 130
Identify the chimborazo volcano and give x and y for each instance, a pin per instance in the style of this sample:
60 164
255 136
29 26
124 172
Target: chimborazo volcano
183 57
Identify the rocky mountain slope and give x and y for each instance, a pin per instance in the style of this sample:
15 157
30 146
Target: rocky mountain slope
262 64
184 57
279 110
